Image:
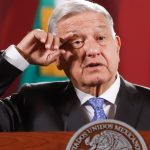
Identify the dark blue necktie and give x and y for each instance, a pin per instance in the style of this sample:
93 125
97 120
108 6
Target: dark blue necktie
97 105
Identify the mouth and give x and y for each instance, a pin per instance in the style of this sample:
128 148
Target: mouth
93 65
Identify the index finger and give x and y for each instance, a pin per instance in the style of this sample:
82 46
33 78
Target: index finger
66 37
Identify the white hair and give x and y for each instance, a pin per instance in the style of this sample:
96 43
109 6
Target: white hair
71 7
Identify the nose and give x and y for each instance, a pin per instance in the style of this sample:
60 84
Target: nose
92 48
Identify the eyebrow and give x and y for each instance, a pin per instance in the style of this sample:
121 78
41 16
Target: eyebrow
101 26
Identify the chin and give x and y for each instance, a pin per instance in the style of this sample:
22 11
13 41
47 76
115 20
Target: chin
94 81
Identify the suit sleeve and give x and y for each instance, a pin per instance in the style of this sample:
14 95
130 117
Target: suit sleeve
12 109
8 74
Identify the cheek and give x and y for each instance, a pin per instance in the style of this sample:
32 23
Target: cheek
114 61
111 56
71 64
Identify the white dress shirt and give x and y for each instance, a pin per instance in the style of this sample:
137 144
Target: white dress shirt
15 58
109 96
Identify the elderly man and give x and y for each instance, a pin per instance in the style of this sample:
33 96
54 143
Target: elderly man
82 42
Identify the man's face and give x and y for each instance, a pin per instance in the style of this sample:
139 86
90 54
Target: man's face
92 54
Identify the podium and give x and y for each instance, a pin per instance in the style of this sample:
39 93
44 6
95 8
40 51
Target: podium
43 140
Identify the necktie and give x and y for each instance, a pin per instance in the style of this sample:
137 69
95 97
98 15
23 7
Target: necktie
97 105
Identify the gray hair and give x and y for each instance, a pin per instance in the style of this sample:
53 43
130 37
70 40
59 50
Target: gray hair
70 7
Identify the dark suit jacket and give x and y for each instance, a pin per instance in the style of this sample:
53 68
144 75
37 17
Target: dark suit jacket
55 106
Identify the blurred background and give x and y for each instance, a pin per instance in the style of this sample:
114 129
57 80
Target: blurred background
132 24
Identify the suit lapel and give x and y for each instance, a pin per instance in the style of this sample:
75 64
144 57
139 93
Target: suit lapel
129 104
74 115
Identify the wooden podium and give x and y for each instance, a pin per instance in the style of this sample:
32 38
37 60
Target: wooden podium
43 140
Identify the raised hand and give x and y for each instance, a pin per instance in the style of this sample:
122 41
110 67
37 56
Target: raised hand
41 48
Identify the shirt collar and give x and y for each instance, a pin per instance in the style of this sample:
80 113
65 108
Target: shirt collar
110 94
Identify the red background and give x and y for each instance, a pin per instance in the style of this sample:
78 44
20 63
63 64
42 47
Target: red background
132 24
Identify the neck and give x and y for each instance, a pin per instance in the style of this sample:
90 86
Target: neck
97 89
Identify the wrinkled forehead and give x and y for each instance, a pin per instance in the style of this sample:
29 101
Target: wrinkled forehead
85 21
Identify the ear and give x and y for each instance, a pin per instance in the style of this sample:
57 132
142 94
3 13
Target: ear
118 43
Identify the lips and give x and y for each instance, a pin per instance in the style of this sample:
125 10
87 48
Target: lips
92 64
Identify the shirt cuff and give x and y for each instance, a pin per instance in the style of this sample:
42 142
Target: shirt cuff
15 58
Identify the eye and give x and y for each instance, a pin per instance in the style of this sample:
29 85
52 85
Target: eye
77 43
101 38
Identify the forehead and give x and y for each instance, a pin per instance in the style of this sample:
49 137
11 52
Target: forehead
81 22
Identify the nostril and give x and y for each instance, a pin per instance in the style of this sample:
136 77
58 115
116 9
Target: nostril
91 55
